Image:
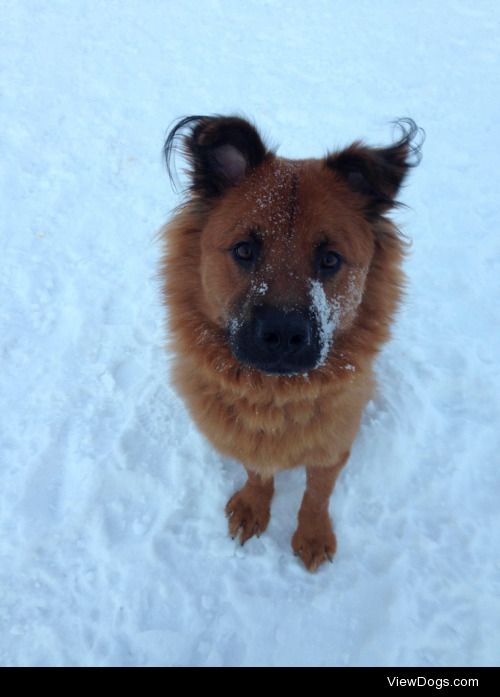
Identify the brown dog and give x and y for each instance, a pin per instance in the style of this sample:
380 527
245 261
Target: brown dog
282 278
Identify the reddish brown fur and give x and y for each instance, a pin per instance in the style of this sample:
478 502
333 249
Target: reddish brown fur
270 423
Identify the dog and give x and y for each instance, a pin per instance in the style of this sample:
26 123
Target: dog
282 278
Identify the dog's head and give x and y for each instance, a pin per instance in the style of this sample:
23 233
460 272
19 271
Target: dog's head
286 245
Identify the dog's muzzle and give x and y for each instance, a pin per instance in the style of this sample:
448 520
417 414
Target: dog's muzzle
276 341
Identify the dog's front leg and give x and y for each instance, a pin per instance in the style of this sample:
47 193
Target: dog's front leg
249 509
314 540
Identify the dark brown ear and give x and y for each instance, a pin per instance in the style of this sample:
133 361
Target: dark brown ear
377 173
221 151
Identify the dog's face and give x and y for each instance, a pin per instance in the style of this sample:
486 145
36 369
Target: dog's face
287 244
284 260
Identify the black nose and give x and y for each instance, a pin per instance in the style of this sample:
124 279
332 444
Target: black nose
277 341
278 331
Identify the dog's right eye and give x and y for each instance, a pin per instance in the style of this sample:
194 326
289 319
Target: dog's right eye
244 253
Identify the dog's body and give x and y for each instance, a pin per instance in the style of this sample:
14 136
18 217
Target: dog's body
282 278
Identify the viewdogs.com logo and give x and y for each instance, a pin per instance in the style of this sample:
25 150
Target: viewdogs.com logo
437 683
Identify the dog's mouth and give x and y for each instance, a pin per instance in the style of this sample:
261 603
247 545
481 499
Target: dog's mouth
276 341
282 369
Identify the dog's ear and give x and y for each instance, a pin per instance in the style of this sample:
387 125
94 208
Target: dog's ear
221 151
377 173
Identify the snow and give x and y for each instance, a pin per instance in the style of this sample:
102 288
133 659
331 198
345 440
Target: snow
330 314
113 545
327 315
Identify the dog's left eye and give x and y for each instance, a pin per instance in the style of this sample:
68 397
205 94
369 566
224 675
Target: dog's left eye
329 261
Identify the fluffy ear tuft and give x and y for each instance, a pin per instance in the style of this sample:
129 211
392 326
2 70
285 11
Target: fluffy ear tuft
221 151
377 173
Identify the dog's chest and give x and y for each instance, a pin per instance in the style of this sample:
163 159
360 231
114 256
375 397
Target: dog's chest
271 434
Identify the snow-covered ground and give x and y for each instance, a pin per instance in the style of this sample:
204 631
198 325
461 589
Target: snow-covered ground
113 542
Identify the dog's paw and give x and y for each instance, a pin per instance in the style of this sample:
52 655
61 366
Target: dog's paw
314 543
247 514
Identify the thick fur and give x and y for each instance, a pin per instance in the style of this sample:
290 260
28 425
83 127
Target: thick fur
270 422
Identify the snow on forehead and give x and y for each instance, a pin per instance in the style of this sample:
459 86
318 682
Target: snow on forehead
273 195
